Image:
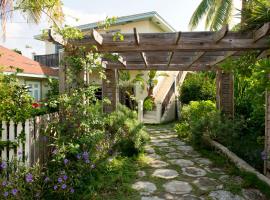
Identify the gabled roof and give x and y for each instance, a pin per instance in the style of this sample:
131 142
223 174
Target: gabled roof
153 16
31 68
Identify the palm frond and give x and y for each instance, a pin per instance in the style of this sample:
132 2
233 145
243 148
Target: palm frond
222 14
210 16
200 12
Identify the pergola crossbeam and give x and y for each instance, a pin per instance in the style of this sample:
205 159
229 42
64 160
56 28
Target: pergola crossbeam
261 32
264 54
176 43
219 35
196 58
97 37
137 40
219 60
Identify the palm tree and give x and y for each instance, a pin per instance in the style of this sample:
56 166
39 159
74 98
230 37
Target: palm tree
217 13
32 10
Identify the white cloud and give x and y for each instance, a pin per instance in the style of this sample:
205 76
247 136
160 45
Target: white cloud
78 17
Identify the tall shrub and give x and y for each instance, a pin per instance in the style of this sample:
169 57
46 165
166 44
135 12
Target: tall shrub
197 87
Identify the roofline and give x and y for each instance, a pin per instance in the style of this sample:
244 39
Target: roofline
125 19
30 75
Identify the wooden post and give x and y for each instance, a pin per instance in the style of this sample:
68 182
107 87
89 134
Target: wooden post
267 133
62 74
225 93
110 90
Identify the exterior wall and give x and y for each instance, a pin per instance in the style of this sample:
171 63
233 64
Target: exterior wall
49 48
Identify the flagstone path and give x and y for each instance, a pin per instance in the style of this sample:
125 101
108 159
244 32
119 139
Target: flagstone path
176 171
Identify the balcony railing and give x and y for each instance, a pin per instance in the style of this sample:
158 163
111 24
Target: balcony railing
49 60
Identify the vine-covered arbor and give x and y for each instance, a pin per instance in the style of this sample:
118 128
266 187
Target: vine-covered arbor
180 51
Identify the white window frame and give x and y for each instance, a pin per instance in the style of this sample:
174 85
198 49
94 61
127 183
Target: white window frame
32 90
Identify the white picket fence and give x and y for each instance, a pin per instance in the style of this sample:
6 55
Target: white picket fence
30 145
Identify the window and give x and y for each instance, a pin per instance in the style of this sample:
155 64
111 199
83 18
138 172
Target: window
34 89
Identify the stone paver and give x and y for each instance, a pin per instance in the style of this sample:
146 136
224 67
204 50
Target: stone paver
182 162
177 187
176 171
145 188
165 173
194 171
223 195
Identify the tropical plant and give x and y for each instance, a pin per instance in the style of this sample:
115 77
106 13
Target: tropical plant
257 12
126 84
217 12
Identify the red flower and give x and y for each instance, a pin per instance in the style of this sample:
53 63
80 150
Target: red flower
35 105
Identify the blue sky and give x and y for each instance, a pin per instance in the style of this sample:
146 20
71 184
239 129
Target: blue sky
175 12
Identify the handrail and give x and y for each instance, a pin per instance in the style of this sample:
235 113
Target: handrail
167 98
171 91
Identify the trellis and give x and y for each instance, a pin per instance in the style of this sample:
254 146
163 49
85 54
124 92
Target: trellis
180 51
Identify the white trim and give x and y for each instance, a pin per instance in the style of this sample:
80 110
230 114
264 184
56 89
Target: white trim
31 75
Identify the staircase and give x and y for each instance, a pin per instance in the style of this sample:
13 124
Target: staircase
165 94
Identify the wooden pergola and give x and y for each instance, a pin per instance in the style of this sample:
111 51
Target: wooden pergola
180 51
184 51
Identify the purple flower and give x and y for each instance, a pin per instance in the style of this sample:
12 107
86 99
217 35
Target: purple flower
65 161
72 190
20 152
55 187
65 177
47 179
64 186
3 165
60 180
4 183
5 194
29 178
87 161
85 155
264 155
54 151
14 192
78 156
93 166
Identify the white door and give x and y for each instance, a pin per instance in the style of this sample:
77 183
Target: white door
34 89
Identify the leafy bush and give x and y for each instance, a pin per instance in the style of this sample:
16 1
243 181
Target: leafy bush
196 87
199 116
15 101
148 104
183 130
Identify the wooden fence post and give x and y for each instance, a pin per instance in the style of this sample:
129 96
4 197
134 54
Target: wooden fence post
267 133
225 93
110 90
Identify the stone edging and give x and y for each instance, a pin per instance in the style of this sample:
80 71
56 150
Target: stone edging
240 163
